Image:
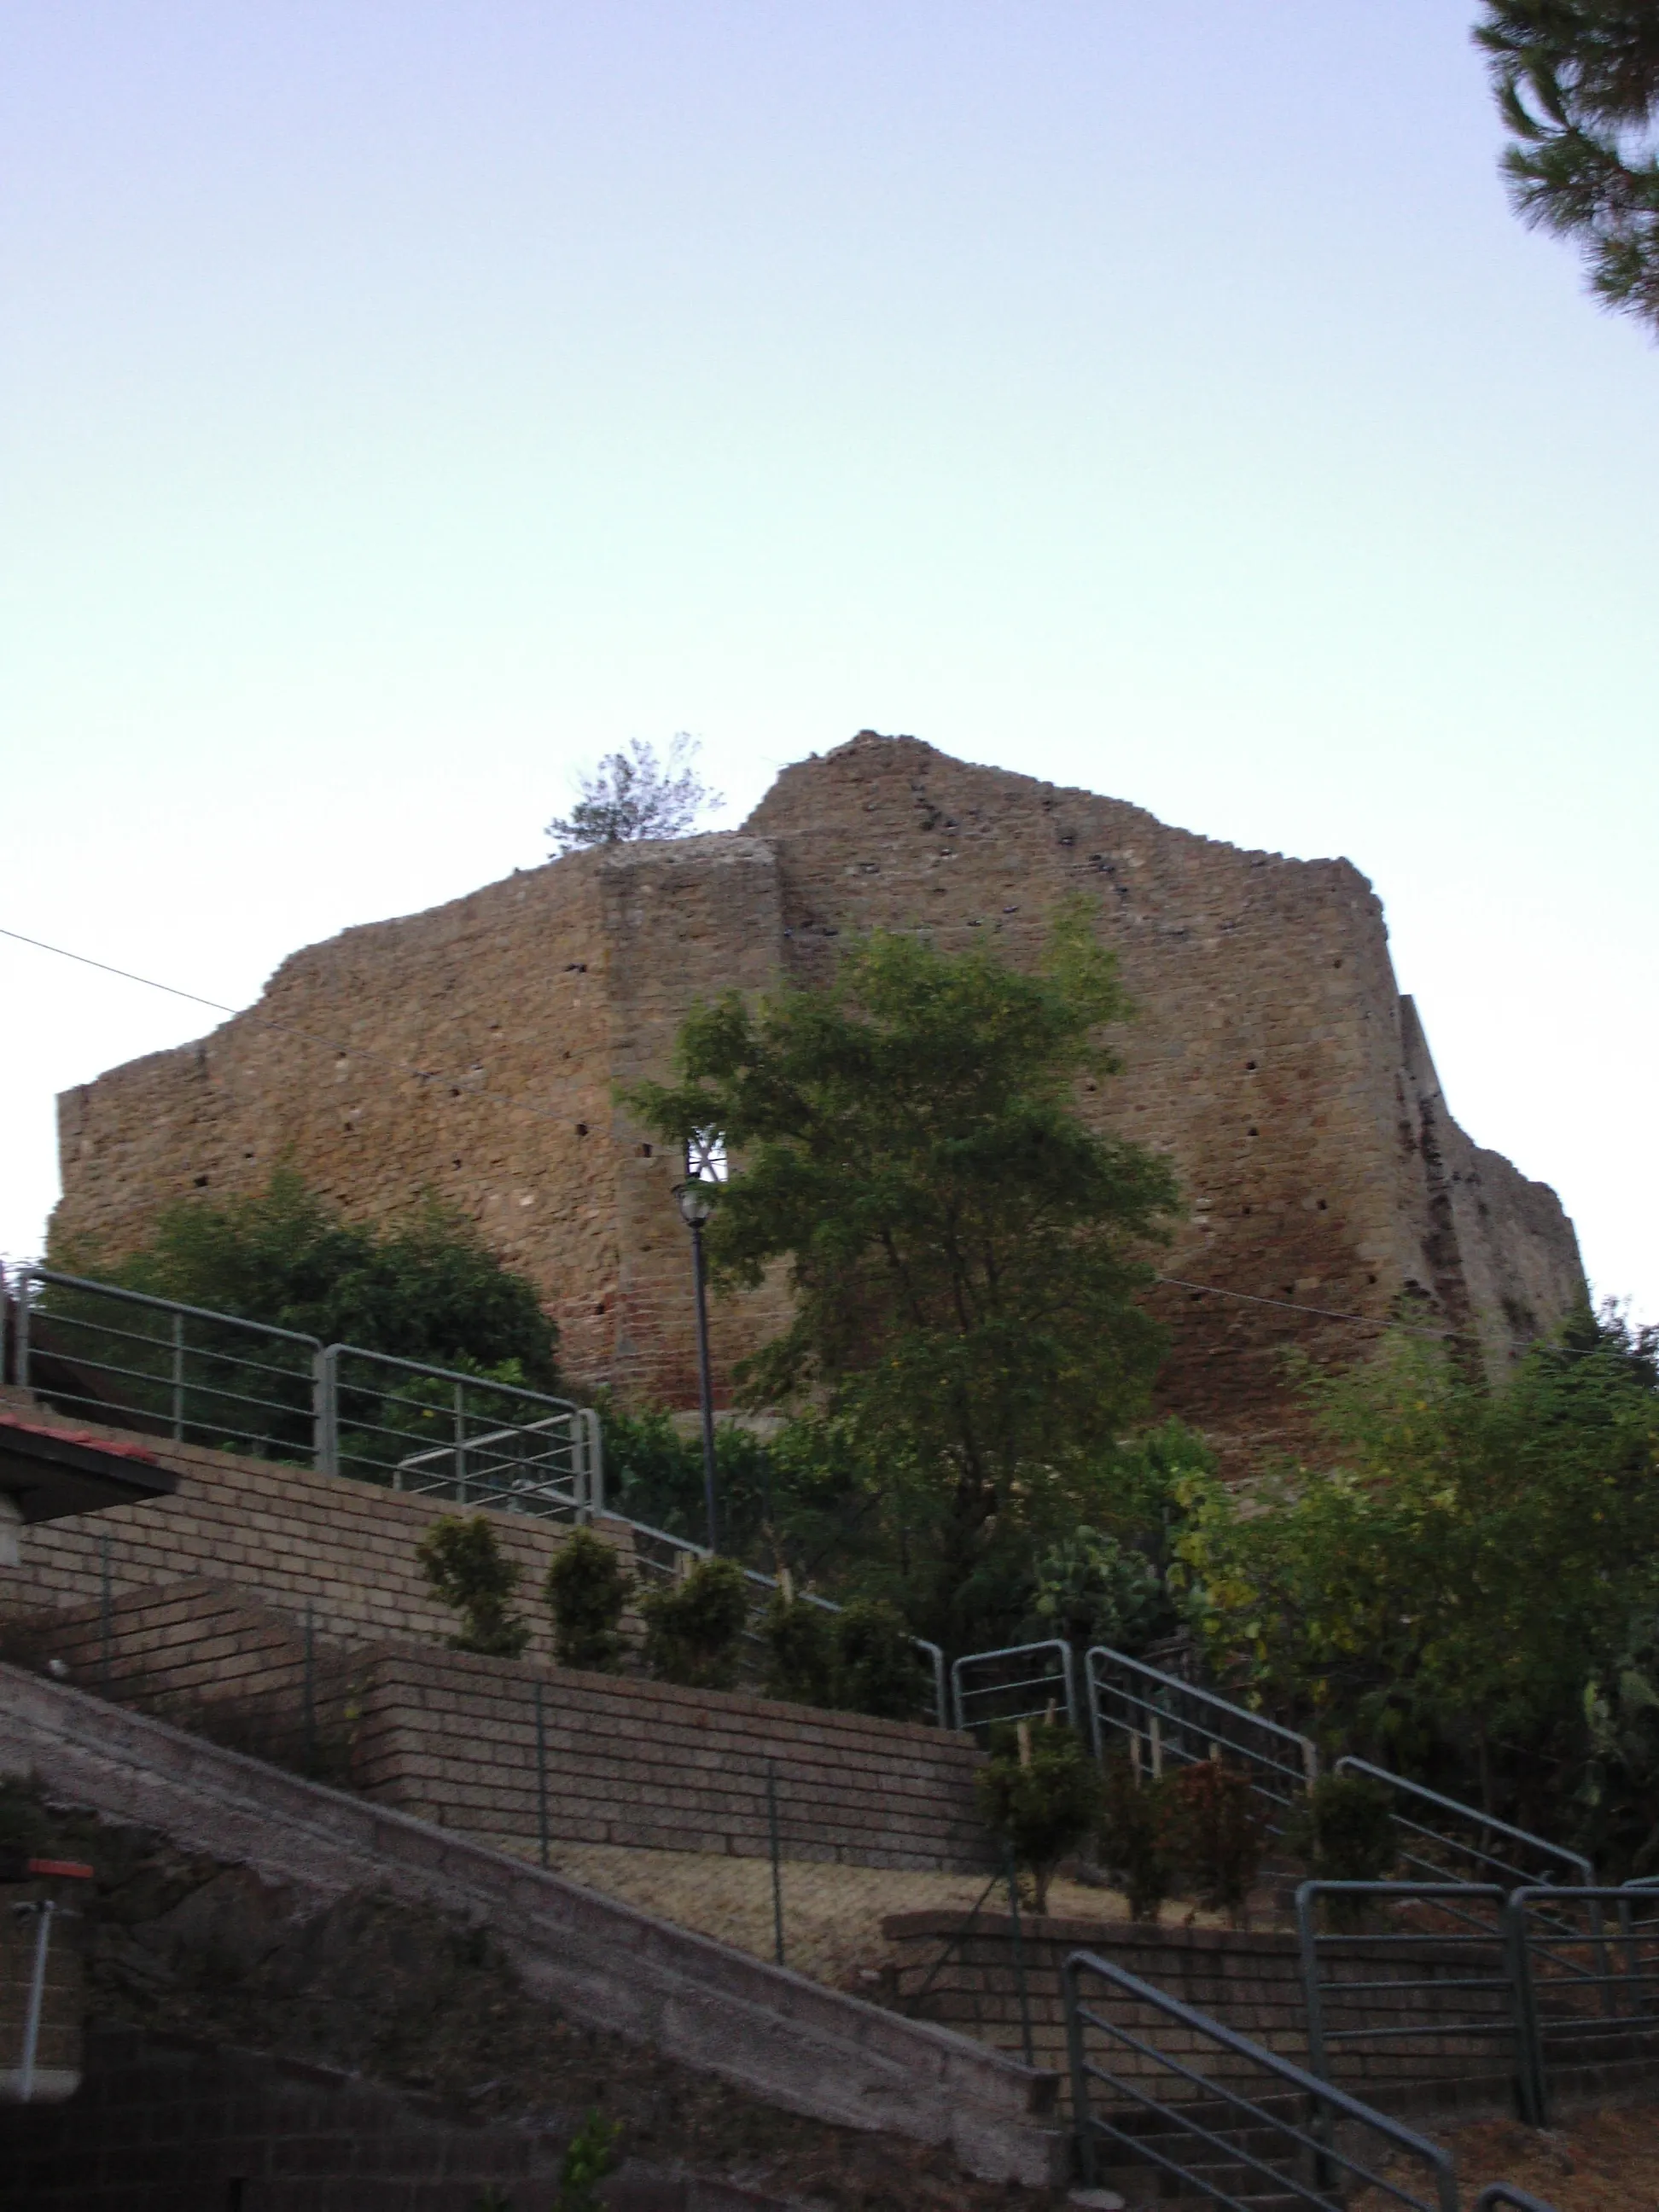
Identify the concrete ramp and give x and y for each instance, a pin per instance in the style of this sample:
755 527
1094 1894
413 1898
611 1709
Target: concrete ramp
777 2035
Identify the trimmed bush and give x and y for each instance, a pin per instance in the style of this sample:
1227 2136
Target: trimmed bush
801 1651
692 1631
1041 1794
464 1564
586 1592
1135 1843
1344 1831
1217 1828
877 1670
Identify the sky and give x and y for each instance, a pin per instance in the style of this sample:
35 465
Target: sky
404 401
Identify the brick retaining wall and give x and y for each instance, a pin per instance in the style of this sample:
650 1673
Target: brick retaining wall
452 1739
286 1534
1250 1981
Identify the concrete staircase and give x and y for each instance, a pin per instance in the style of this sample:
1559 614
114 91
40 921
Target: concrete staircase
781 2037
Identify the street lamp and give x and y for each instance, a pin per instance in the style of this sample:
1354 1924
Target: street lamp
705 1171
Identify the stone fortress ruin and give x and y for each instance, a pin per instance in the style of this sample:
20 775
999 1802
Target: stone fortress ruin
476 1051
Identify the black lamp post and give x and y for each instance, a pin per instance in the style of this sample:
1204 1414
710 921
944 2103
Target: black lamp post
705 1171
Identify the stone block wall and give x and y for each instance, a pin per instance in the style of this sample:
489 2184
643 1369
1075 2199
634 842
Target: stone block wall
1270 1057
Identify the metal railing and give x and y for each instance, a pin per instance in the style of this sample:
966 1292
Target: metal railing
1486 1849
660 1558
1377 1996
167 1368
1166 1721
1584 1985
1505 2193
1019 1682
433 1431
1296 2137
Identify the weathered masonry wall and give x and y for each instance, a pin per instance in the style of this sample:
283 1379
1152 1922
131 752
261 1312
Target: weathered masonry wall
1272 1056
345 1548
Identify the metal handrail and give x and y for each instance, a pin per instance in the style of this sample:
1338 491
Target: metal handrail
1455 1900
175 1385
1169 1704
1575 1861
1323 2102
1505 2193
1546 1902
1064 1679
683 1545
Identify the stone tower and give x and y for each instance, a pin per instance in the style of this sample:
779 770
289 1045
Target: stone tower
476 1050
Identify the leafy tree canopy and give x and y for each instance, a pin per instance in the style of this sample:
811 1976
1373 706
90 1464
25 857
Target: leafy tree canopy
633 795
966 1253
1577 83
425 1288
1463 1566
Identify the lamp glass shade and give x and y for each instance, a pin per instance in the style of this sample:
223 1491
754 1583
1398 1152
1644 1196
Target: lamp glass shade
696 1201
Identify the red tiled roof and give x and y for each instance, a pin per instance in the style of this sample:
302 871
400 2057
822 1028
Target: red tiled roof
84 1437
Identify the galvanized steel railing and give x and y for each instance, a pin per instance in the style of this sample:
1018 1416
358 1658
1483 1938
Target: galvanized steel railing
1490 1849
1588 1975
167 1368
1019 1682
1367 1990
660 1560
433 1432
1165 1721
1296 2137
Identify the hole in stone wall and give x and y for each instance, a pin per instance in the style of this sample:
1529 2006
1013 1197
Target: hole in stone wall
581 1128
645 1151
1322 1205
201 1183
1255 1133
1249 1064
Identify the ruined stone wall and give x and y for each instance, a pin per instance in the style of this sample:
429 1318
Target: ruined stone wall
1270 1057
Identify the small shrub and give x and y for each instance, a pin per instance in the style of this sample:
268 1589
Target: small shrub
1344 1831
692 1630
1135 1843
1217 1828
589 2156
1041 1795
801 1651
877 1668
586 1592
464 1564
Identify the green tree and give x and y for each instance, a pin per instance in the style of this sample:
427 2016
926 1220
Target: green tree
1459 1566
633 795
425 1287
1578 84
965 1253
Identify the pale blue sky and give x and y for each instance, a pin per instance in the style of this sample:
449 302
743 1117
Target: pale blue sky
401 404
